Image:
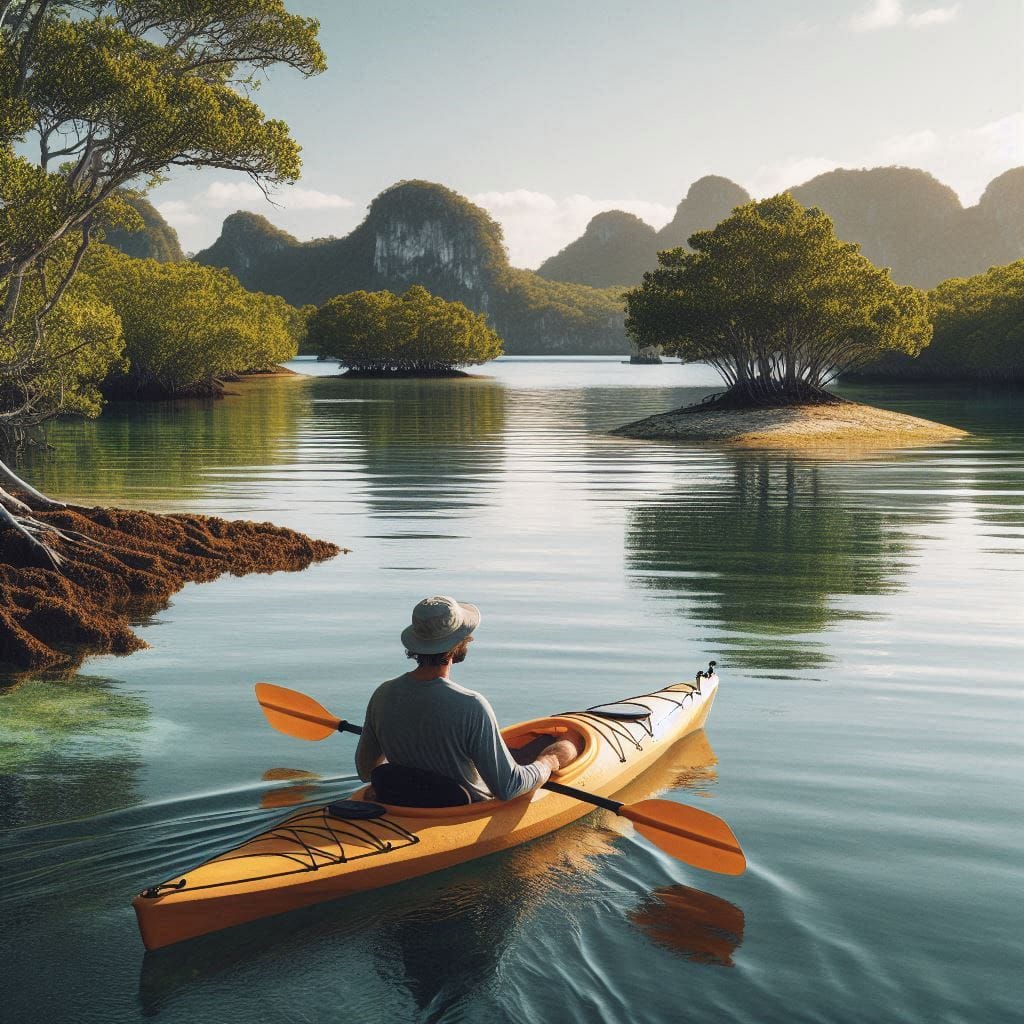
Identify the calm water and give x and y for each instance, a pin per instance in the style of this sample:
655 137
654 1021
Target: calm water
865 746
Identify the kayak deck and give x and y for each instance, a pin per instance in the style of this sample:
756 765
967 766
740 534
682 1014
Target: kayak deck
313 856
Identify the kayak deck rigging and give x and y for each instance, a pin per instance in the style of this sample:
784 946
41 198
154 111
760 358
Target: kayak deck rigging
312 840
615 729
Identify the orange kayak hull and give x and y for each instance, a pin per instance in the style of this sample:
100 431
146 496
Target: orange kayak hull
312 857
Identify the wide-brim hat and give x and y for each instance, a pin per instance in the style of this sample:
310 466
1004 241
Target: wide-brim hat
439 623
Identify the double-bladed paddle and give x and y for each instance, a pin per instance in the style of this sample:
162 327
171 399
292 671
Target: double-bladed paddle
687 833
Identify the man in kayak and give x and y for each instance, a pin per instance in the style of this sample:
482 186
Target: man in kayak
423 720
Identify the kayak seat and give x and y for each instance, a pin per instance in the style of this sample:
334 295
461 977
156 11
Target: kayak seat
400 786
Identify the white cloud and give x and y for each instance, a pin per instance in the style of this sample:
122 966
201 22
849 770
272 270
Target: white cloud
178 213
892 14
1000 142
912 146
881 14
934 16
223 195
537 225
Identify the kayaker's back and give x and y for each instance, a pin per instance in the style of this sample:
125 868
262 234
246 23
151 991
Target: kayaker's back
441 727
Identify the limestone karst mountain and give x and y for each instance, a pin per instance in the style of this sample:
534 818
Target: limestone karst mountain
614 250
618 247
708 200
157 240
903 218
417 232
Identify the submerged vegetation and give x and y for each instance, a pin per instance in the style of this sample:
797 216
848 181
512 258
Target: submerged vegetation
414 334
776 304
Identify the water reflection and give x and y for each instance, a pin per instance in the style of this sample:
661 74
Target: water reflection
765 551
47 726
303 787
696 925
170 451
427 447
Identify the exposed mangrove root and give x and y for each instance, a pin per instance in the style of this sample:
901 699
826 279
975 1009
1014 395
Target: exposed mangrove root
756 394
73 580
33 498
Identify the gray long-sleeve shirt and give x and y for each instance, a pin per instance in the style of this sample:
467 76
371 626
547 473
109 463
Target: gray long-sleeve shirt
438 726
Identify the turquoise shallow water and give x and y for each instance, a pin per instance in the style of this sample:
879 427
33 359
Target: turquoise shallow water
866 744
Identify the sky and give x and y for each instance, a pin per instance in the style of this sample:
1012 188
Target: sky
546 112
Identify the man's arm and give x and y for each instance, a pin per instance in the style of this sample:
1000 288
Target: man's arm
368 751
497 767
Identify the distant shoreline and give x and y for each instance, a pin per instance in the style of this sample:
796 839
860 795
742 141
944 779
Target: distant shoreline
839 425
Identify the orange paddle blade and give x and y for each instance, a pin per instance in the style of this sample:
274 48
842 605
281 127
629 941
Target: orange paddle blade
688 833
294 713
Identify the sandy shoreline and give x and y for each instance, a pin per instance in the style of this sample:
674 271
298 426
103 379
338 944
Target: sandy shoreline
839 425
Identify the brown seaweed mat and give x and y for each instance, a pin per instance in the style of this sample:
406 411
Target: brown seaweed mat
133 564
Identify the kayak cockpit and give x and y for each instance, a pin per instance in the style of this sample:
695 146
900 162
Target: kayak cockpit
518 737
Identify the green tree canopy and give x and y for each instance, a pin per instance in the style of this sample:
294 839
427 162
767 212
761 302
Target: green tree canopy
109 94
411 334
776 303
186 325
979 330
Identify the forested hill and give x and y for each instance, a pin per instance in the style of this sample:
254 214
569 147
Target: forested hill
157 240
417 232
903 218
618 247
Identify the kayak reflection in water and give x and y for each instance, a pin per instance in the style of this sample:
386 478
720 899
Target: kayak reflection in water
427 741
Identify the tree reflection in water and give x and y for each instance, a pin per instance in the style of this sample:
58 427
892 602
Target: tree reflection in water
427 446
766 555
175 451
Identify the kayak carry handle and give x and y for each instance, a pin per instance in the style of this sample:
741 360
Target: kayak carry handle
705 675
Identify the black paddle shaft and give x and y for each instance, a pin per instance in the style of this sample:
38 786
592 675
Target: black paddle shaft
555 787
579 794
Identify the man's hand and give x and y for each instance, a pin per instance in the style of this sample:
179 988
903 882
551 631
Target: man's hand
558 755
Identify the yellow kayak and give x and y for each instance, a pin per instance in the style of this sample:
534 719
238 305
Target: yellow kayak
315 855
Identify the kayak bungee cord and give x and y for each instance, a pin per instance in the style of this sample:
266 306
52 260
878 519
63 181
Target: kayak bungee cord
294 833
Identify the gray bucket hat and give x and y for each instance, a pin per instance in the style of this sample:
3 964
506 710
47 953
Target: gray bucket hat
438 624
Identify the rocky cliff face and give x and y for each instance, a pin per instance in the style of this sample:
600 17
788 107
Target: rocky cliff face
424 234
417 232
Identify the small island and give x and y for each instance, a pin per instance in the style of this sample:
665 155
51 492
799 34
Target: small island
825 425
416 334
780 307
